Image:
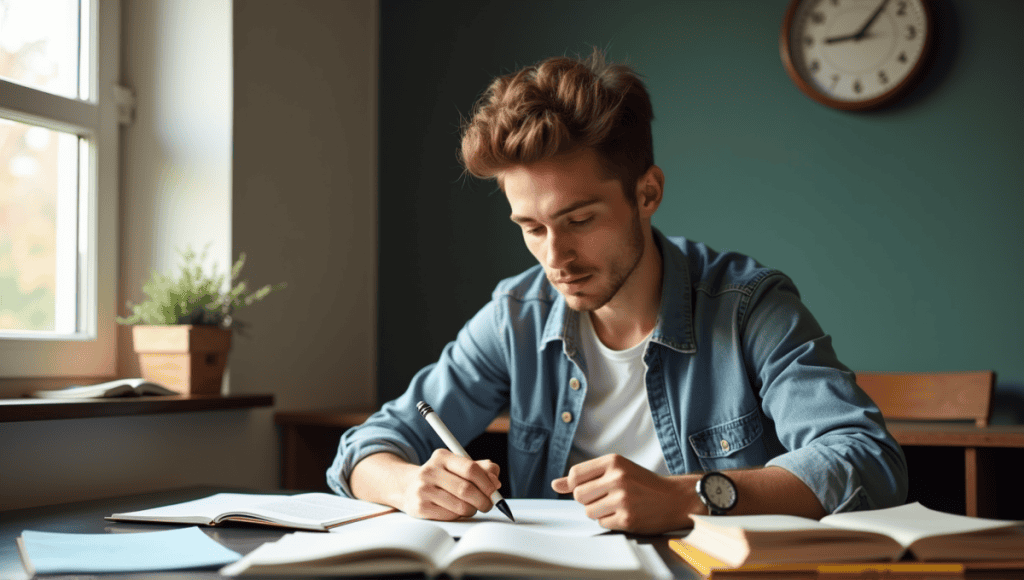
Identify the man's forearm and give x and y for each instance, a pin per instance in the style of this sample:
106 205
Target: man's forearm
773 490
379 478
761 490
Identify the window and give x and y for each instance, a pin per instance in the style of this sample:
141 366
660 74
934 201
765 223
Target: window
58 187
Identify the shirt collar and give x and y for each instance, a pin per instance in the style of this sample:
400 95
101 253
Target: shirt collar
675 319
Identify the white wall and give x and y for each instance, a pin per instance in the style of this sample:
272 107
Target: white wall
305 198
176 162
297 195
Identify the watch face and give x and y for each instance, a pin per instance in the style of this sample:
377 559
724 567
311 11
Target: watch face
720 491
854 54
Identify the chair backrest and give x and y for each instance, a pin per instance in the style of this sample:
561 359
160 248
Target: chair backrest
931 396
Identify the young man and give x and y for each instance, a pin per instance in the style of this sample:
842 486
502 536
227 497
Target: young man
631 363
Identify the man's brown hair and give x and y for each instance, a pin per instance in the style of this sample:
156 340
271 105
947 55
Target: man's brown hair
560 104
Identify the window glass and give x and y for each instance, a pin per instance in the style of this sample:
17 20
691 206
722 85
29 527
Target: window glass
39 44
38 215
58 185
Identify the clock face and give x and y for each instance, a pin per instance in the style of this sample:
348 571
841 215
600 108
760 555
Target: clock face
720 491
855 54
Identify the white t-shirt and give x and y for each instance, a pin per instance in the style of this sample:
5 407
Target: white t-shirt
616 416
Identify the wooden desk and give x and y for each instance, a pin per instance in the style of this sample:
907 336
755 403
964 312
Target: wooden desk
981 448
87 518
935 450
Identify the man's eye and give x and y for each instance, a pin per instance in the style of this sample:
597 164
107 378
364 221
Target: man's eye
534 231
580 222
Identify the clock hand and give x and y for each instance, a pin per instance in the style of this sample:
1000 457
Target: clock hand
863 29
846 37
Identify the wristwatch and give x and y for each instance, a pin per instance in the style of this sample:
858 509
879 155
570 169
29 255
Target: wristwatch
718 492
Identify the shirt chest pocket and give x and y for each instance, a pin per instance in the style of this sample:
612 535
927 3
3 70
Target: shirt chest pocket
527 460
734 444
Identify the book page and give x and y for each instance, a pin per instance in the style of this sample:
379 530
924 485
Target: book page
148 388
739 540
374 545
317 508
310 509
207 507
486 543
736 526
909 523
561 517
115 388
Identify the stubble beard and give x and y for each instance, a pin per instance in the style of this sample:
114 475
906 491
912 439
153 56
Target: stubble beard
619 273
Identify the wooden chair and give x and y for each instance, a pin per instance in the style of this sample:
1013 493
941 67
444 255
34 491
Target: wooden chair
931 396
908 399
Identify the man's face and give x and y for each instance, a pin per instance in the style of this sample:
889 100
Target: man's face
578 224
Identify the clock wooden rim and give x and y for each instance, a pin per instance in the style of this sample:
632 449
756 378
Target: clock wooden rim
887 98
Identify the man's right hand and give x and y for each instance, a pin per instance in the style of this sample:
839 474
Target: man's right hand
446 487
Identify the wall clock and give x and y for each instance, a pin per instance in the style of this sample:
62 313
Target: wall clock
857 55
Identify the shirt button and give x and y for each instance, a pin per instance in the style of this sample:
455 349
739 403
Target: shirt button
566 417
574 384
725 445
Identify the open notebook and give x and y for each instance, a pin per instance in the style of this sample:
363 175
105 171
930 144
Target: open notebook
381 546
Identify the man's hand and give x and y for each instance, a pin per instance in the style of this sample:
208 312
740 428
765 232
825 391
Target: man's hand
621 495
446 487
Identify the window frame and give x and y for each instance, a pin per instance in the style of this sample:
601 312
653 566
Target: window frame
93 352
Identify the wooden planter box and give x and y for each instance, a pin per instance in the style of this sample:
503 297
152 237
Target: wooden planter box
184 358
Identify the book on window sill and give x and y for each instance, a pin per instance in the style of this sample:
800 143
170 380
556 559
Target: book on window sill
381 547
905 539
116 388
305 511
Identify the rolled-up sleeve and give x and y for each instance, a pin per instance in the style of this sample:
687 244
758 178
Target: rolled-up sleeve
467 387
834 434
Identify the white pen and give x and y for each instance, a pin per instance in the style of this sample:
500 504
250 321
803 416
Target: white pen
453 445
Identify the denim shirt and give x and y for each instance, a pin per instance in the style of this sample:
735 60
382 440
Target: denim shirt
739 375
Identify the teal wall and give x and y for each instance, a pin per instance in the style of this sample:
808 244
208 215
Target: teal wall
902 228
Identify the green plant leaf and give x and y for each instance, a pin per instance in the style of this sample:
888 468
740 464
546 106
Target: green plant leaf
195 297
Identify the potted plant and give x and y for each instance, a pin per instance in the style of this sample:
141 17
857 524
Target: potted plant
182 332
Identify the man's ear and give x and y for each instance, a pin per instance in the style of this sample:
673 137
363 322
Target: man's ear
649 189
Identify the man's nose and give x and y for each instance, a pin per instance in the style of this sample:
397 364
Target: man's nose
560 251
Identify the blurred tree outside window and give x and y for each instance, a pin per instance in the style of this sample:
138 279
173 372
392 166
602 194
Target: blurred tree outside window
41 46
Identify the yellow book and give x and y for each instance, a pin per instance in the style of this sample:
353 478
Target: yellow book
711 567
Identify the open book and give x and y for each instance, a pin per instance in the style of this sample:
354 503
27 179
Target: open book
306 511
910 531
377 546
118 388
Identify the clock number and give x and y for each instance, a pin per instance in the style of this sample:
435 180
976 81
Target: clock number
902 58
817 17
882 77
814 67
835 81
857 87
835 2
808 41
911 33
901 9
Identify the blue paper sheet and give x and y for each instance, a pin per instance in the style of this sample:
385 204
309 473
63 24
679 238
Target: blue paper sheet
179 549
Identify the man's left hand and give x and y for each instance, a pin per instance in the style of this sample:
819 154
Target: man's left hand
621 495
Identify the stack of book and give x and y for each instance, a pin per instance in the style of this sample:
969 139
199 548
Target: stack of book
907 539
